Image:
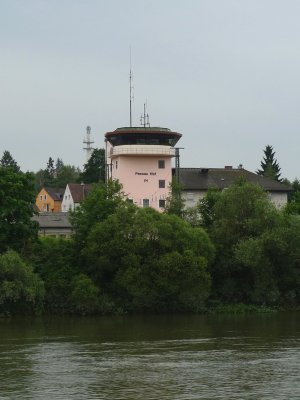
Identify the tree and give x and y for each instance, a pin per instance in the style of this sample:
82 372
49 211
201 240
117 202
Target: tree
242 214
59 165
206 207
102 201
94 169
58 176
17 199
66 174
8 161
269 166
21 290
293 205
148 261
85 295
175 203
55 260
49 173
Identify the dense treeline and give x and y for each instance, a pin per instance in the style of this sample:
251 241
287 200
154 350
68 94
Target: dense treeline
59 174
234 248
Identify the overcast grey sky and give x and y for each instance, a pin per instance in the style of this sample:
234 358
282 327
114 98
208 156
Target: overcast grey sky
224 73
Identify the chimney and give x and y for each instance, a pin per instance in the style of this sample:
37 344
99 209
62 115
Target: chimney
228 166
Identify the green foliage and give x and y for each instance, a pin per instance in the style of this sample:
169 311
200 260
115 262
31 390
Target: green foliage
49 173
149 261
94 169
21 290
7 161
241 273
56 176
269 166
175 203
17 199
85 295
242 211
206 207
293 206
102 201
55 260
66 174
240 309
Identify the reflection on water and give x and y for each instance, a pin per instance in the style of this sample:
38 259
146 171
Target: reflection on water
174 357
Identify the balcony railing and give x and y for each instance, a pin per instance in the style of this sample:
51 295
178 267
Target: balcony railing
142 150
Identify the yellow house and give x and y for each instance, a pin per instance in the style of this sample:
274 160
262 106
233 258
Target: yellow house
49 199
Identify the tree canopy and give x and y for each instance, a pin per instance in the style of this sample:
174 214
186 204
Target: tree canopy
148 261
21 290
241 220
269 165
8 161
56 174
17 198
94 169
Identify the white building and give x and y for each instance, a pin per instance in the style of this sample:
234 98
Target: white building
74 194
195 183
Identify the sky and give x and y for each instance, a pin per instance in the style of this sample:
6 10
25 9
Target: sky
224 73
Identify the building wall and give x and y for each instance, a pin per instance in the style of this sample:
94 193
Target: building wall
278 198
191 197
140 177
68 202
45 202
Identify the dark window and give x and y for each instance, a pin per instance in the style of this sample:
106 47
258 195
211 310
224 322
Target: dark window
161 163
161 184
162 203
130 201
145 202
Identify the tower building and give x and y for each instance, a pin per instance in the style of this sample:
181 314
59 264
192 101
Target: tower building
141 159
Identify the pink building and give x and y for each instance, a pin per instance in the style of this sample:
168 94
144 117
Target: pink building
140 158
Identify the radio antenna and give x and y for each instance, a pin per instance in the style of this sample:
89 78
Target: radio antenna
145 120
88 142
130 90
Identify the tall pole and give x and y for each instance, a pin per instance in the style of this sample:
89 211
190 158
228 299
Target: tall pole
130 92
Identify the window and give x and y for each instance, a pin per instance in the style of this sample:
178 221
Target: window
145 202
41 197
162 203
130 201
116 164
161 183
45 196
161 164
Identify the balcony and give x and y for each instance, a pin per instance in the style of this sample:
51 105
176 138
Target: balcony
142 150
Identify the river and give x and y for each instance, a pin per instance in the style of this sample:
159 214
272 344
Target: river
151 357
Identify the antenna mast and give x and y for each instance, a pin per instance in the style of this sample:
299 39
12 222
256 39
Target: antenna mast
145 121
130 91
87 141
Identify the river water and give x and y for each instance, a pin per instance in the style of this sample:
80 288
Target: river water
154 357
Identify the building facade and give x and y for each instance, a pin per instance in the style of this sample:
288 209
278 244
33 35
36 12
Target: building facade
141 159
53 224
195 183
49 199
74 194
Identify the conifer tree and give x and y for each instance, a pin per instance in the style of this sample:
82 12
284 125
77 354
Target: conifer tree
269 166
94 169
8 161
49 173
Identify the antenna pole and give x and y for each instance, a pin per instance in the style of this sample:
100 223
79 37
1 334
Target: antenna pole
145 120
130 91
